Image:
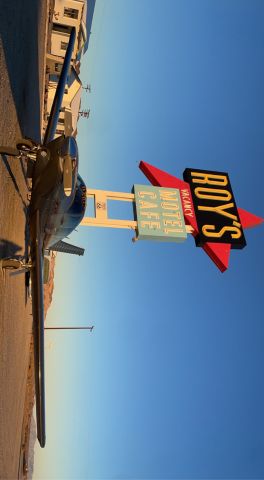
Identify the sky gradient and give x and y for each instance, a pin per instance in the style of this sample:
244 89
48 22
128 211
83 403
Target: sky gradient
170 383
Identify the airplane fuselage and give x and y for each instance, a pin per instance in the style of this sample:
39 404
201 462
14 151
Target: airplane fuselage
61 209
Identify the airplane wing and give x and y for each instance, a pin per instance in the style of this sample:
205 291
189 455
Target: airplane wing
38 324
37 255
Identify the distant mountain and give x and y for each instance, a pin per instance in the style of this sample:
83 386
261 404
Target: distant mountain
49 287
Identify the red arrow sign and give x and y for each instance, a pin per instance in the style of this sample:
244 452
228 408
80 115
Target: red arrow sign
218 252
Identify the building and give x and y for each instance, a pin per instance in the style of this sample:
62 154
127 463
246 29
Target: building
68 14
69 115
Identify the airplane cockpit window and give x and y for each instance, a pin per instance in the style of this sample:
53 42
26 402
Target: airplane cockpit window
73 216
77 209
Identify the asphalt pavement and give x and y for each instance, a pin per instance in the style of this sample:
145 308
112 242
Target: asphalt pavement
22 51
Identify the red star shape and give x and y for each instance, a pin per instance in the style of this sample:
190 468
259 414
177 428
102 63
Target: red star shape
218 252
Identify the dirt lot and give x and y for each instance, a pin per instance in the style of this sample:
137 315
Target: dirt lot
22 50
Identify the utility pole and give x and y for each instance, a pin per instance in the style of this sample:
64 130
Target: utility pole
70 328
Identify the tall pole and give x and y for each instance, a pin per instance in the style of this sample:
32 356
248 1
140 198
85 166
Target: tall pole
70 328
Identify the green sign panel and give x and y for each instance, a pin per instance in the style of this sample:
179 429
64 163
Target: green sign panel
159 214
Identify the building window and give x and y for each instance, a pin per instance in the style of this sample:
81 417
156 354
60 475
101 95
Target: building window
54 78
64 45
70 12
61 28
58 67
61 121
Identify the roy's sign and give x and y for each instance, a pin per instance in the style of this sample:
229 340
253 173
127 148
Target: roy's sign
215 208
202 204
209 208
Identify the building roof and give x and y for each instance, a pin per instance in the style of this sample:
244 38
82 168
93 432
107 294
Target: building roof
73 77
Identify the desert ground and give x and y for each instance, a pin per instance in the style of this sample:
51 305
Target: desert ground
23 27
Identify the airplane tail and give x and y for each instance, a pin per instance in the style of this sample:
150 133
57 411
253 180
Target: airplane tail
65 247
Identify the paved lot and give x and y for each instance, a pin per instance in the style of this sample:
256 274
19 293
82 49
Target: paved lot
22 42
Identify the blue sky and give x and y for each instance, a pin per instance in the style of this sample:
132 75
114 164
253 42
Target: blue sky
169 385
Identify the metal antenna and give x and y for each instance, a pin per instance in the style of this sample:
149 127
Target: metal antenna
87 88
85 113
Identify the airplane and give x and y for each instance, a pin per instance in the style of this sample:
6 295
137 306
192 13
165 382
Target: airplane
57 206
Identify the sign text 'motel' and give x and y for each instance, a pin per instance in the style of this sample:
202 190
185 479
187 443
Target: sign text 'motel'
215 208
159 214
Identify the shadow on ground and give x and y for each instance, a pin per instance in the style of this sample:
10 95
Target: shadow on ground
20 46
13 178
9 249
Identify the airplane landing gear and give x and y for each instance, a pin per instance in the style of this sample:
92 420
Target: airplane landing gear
25 145
14 264
17 267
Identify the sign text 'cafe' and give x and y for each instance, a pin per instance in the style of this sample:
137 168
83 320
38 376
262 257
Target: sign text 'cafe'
159 214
